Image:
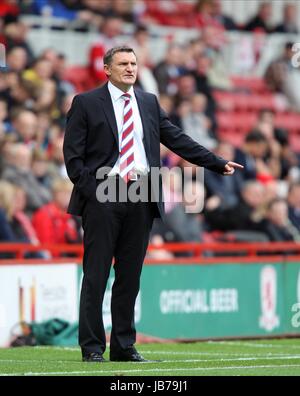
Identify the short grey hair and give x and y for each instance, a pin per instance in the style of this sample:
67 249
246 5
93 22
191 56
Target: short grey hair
107 59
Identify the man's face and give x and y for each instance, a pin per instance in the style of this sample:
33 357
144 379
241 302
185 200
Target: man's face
62 198
253 195
278 214
265 11
257 149
122 71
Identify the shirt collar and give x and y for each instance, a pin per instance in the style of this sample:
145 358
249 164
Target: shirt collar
116 93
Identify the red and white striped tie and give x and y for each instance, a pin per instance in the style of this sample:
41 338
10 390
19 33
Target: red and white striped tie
127 150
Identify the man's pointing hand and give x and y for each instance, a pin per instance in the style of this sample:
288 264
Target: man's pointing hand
230 168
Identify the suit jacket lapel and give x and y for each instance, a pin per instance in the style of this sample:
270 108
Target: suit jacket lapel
109 111
143 114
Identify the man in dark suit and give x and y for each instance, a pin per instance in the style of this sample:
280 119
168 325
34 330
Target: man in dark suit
121 128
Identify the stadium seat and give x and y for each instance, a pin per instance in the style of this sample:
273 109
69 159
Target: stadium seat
289 121
254 84
236 121
234 138
252 102
80 77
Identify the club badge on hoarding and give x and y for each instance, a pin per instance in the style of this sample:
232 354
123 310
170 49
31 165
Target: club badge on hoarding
268 299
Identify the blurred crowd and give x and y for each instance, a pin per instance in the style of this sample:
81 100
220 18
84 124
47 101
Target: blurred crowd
181 13
261 203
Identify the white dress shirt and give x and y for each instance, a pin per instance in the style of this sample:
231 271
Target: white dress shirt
140 159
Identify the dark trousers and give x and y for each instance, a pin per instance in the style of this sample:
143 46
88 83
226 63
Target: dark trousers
120 230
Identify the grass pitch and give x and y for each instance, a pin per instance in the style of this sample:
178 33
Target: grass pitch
213 358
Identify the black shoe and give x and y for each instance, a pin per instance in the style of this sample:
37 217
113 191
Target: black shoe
93 357
130 355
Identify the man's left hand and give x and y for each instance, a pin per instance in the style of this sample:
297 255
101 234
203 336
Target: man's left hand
230 168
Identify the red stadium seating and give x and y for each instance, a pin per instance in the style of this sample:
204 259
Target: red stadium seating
240 122
176 13
238 111
80 77
246 101
253 84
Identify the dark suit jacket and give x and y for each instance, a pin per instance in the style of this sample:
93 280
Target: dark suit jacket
91 142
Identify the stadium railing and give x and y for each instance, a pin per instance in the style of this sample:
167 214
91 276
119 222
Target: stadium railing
202 253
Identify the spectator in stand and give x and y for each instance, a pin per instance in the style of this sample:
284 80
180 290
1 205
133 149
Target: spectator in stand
18 171
20 93
290 20
277 225
15 225
167 103
261 22
182 222
252 156
226 192
124 9
57 167
294 204
101 8
247 215
209 13
203 65
6 211
109 37
45 123
278 139
41 76
15 33
274 189
20 222
141 43
203 14
145 78
186 87
40 168
5 125
273 155
9 8
193 49
170 69
66 9
224 20
218 74
65 105
282 77
59 71
25 126
16 59
52 222
196 123
54 8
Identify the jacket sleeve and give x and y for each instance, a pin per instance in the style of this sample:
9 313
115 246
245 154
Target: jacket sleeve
74 149
177 141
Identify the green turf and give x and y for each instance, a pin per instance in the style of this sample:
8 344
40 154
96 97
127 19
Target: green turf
263 357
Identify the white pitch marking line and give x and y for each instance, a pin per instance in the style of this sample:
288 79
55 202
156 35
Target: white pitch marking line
274 357
215 343
254 345
211 353
55 348
153 370
75 349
